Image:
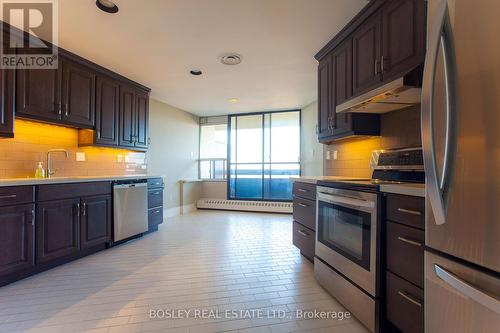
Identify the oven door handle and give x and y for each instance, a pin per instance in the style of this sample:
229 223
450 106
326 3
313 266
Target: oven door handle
334 199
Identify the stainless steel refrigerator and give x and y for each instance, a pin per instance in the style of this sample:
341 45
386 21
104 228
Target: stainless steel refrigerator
461 141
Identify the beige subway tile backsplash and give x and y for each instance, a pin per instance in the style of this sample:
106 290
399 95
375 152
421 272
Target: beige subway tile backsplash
398 129
19 156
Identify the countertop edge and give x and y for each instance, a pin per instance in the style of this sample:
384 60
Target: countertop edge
403 190
67 180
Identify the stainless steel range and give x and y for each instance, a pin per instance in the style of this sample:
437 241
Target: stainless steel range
347 259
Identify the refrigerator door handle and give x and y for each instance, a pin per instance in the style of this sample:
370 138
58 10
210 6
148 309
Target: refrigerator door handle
468 290
438 39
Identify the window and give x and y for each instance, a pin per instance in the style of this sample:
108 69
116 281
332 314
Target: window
264 154
213 148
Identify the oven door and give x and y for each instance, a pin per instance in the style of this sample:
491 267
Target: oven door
347 234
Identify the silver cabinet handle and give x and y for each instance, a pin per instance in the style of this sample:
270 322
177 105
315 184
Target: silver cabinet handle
409 298
467 290
9 196
302 205
84 209
409 241
303 233
436 186
78 209
382 64
409 211
376 67
302 190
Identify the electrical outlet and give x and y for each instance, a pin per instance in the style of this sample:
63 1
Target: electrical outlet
335 155
328 155
119 158
80 156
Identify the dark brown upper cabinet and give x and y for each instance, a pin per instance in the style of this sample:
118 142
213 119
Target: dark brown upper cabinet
142 120
384 41
57 229
95 224
78 94
403 36
6 103
64 96
334 87
134 118
107 111
38 94
324 97
367 51
16 238
127 116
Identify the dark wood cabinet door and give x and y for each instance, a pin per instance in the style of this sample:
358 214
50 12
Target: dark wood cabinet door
341 85
324 96
107 111
16 238
38 94
57 229
127 116
367 49
403 36
142 120
7 103
78 94
95 220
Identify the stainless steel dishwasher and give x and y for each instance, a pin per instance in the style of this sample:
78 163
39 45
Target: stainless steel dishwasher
130 202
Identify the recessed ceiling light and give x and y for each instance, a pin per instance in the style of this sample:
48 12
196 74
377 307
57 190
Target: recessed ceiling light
196 72
107 6
233 100
231 59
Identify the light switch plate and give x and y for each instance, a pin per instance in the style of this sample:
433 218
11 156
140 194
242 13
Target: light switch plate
327 155
80 156
335 154
119 158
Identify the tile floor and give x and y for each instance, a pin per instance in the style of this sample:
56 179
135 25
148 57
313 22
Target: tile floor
206 262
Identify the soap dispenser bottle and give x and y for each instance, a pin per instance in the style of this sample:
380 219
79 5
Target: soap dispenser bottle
40 171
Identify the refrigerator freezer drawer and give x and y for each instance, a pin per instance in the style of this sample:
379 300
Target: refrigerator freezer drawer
459 299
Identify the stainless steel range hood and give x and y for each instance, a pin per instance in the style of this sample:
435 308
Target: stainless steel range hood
392 96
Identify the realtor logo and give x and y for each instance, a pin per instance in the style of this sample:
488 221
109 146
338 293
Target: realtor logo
30 37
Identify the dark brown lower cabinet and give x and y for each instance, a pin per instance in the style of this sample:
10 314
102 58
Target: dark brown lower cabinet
155 203
95 223
405 304
57 229
16 238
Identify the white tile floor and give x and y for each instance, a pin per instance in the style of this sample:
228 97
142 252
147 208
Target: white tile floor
205 260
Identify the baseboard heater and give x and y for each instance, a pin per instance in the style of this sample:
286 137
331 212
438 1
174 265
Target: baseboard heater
242 205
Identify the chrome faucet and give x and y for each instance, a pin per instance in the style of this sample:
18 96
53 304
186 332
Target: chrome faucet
50 172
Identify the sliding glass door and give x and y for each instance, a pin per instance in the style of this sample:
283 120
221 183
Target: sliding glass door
264 151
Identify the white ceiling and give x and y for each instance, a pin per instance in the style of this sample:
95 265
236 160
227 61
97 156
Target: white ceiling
157 43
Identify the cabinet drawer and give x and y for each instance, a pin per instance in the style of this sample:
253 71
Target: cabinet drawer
405 306
155 198
304 212
304 238
405 252
15 195
155 183
72 190
304 190
155 216
406 209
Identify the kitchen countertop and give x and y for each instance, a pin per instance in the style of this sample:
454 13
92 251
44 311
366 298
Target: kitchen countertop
413 189
61 180
416 190
316 179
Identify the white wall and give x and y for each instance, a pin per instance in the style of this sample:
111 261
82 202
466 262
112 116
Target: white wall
311 151
174 150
